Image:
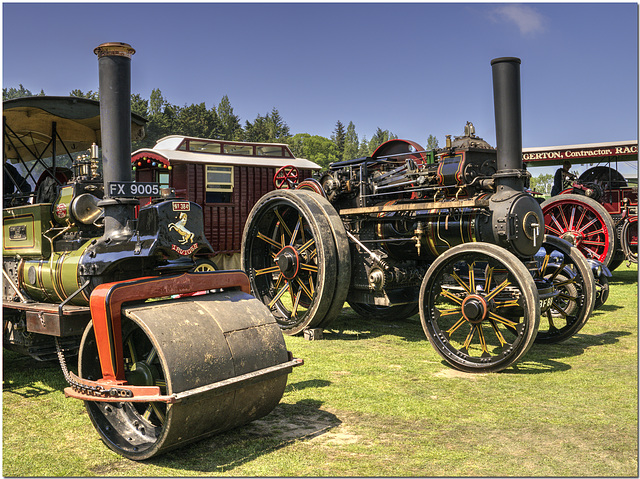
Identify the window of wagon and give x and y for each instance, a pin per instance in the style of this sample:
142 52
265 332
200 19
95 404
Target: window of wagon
219 183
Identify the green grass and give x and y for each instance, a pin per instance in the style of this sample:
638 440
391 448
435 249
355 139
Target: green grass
374 399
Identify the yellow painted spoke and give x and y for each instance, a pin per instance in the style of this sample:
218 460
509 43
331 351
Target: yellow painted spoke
309 267
270 269
132 351
279 281
161 383
448 312
472 279
279 294
295 231
506 304
304 288
487 281
498 333
545 263
282 223
467 342
559 309
311 287
152 355
296 302
147 412
483 342
569 297
550 318
460 282
453 328
158 412
452 297
306 246
500 319
268 240
498 290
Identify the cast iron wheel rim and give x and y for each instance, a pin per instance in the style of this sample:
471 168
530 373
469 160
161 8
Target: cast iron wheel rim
583 222
134 430
395 312
479 307
289 254
629 236
568 270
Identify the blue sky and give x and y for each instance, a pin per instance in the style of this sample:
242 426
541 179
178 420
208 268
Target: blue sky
415 68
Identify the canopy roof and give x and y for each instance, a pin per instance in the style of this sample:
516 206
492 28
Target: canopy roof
167 152
29 125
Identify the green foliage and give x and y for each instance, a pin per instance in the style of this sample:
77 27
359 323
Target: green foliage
91 95
350 143
230 128
11 93
338 137
432 143
165 118
314 148
542 183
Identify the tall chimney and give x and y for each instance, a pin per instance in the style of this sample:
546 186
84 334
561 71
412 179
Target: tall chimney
506 97
114 66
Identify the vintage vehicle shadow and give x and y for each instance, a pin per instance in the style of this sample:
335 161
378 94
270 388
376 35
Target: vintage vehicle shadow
286 424
27 377
546 358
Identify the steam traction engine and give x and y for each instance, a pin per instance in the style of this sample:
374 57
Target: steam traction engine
153 374
448 233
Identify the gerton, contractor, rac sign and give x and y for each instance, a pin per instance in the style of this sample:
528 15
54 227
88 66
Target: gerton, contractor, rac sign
584 153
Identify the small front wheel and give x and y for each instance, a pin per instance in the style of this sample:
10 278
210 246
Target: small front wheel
479 307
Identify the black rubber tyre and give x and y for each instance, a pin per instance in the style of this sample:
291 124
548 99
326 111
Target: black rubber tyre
343 257
583 222
567 268
395 312
602 292
479 307
289 253
629 239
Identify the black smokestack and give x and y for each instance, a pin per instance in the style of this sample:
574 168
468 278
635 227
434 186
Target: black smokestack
114 66
506 97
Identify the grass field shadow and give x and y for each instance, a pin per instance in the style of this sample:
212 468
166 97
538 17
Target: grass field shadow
351 326
285 425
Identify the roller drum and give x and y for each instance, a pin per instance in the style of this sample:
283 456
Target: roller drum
181 345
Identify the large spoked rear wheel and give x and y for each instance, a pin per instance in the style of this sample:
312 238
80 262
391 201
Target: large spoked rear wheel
297 261
583 222
479 307
564 266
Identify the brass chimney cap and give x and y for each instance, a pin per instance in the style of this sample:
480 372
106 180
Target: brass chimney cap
114 49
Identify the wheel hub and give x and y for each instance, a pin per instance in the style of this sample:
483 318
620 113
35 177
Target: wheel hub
572 237
288 262
142 374
474 308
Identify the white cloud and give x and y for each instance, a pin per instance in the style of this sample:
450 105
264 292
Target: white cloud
526 18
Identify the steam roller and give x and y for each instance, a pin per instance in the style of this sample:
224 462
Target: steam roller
169 352
202 365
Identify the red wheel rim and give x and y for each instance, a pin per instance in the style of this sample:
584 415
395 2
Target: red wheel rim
579 224
286 177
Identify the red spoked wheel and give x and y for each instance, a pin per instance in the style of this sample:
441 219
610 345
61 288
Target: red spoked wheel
583 222
286 178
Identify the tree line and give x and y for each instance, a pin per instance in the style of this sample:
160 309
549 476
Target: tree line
221 122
